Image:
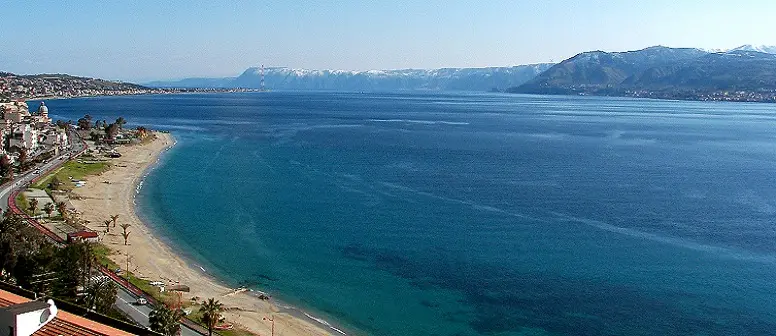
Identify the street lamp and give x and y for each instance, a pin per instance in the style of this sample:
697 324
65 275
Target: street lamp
273 323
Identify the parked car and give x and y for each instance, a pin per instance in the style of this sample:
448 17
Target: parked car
141 301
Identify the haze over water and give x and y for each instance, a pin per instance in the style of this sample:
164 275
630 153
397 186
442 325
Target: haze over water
454 214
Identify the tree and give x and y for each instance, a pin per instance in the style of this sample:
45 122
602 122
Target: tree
10 224
72 264
125 233
84 124
55 183
25 255
96 136
62 209
114 218
107 224
23 156
10 227
112 131
100 296
121 121
6 168
33 206
49 209
33 269
165 320
211 313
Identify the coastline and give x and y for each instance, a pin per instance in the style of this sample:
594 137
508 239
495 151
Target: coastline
152 258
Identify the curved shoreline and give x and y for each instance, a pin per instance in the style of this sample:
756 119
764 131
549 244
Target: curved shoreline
152 256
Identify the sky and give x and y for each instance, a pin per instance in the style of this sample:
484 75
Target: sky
148 40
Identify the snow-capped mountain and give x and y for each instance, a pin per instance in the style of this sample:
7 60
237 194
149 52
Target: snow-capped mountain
758 48
283 78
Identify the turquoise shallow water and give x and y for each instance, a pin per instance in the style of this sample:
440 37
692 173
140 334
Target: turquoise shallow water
454 214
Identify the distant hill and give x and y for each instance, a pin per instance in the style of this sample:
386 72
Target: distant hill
14 86
598 69
731 71
282 78
662 72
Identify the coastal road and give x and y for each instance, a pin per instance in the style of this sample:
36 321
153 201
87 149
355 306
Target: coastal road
76 146
139 313
21 181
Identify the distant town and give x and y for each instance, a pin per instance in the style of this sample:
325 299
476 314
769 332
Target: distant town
45 86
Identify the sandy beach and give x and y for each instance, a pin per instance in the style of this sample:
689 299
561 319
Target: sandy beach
152 259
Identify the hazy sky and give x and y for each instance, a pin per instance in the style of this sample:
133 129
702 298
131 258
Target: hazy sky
143 40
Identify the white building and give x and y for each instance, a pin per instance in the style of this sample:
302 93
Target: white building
55 139
24 136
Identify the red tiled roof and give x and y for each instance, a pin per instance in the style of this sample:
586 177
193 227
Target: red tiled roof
65 324
83 234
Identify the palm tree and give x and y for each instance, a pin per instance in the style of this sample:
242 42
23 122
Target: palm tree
165 320
100 296
114 218
62 209
33 206
49 209
211 313
107 225
125 233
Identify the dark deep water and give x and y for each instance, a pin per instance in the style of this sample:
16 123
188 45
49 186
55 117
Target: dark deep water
454 214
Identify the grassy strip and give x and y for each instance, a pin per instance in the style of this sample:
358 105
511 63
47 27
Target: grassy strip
145 287
101 252
235 332
21 203
74 169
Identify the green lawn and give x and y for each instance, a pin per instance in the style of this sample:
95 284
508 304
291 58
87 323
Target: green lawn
75 170
101 252
236 332
22 203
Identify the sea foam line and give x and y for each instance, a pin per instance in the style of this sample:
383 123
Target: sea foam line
323 322
426 122
674 241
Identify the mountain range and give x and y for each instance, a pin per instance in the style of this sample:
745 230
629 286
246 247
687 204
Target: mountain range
282 78
656 72
662 72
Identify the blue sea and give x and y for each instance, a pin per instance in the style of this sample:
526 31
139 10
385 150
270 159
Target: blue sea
472 214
